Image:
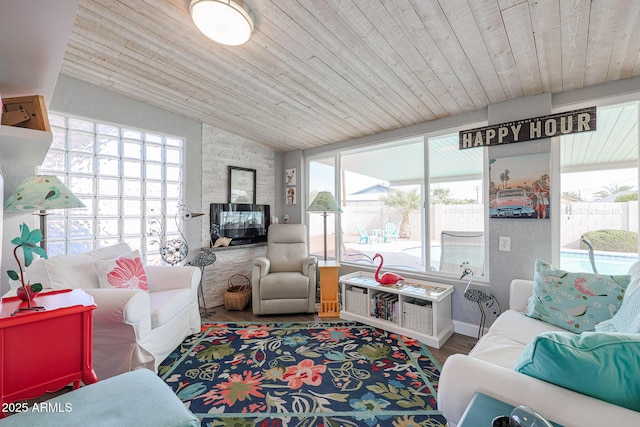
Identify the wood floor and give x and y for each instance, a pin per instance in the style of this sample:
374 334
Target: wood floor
456 344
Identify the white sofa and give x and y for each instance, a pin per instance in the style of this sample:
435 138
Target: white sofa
131 328
489 368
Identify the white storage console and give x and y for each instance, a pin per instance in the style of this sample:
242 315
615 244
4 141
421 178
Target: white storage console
414 308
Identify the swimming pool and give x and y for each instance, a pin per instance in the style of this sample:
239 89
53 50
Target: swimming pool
606 263
570 260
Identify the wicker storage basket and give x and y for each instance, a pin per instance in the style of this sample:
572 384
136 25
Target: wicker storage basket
238 293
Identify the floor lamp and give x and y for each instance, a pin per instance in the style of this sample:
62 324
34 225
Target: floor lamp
41 193
325 203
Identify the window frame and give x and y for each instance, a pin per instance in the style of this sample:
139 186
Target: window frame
424 211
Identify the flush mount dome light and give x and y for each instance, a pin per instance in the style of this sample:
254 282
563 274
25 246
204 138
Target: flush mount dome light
224 21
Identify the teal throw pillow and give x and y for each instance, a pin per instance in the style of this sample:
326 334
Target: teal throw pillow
627 319
600 365
574 301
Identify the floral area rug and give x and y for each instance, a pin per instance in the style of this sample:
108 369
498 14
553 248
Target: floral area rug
304 374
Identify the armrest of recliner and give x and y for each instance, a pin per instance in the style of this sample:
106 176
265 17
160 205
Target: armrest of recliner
263 264
166 277
119 310
309 263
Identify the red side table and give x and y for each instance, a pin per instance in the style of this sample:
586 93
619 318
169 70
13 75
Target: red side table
43 351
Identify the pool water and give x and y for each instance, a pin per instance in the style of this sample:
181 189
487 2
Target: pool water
605 263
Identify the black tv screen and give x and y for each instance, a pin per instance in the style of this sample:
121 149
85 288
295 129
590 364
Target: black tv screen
243 223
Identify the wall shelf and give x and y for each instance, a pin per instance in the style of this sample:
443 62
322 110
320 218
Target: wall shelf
24 146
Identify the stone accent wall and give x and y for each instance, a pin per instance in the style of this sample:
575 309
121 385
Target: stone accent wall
229 261
221 149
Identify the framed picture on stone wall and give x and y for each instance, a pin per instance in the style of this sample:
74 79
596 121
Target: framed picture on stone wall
242 185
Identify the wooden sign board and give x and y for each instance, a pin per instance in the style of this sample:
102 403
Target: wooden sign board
576 121
30 110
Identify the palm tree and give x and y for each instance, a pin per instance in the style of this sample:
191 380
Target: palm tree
504 177
612 189
405 202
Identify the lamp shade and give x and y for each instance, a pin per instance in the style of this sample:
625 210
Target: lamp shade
42 192
224 21
324 202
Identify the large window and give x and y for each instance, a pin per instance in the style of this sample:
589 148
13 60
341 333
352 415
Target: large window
130 181
599 187
384 202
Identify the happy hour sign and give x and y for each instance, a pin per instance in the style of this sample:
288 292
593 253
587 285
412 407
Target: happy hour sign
576 121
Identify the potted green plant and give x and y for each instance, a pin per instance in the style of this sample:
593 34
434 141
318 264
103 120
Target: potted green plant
28 241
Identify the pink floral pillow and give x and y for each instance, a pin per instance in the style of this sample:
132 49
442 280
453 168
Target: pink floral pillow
126 272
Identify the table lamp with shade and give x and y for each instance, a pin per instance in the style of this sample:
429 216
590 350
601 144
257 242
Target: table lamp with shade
325 203
41 193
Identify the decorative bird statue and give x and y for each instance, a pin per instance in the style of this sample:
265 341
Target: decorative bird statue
386 278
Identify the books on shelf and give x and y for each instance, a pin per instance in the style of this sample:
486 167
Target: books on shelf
385 306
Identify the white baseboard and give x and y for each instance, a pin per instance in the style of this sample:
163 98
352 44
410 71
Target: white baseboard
468 329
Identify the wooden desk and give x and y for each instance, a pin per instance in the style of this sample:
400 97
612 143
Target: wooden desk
43 351
329 305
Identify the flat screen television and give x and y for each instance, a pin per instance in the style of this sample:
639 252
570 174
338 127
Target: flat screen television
243 223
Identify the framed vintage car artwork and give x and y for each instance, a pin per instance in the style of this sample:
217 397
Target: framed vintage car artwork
519 187
242 185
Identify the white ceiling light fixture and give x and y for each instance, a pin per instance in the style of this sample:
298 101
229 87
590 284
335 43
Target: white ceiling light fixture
227 22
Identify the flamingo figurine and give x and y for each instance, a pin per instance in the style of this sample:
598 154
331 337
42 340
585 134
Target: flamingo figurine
386 278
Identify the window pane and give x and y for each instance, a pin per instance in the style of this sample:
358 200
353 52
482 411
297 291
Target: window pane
132 169
81 185
132 208
80 141
174 156
107 129
108 207
54 161
132 226
153 171
81 163
80 125
154 153
80 228
107 146
107 166
132 188
599 187
108 187
456 210
173 173
382 203
321 178
59 138
108 227
132 150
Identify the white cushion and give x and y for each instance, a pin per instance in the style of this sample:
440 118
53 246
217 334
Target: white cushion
507 338
165 305
78 271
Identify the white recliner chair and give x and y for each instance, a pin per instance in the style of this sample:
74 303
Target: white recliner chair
285 280
132 328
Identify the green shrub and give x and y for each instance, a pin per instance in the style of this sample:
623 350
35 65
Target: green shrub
627 197
612 240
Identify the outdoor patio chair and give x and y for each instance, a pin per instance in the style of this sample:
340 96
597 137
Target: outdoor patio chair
390 231
462 246
364 236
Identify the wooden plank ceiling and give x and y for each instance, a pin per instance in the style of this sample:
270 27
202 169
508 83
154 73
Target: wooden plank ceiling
322 71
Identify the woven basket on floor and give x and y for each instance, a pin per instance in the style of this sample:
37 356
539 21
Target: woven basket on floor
238 294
